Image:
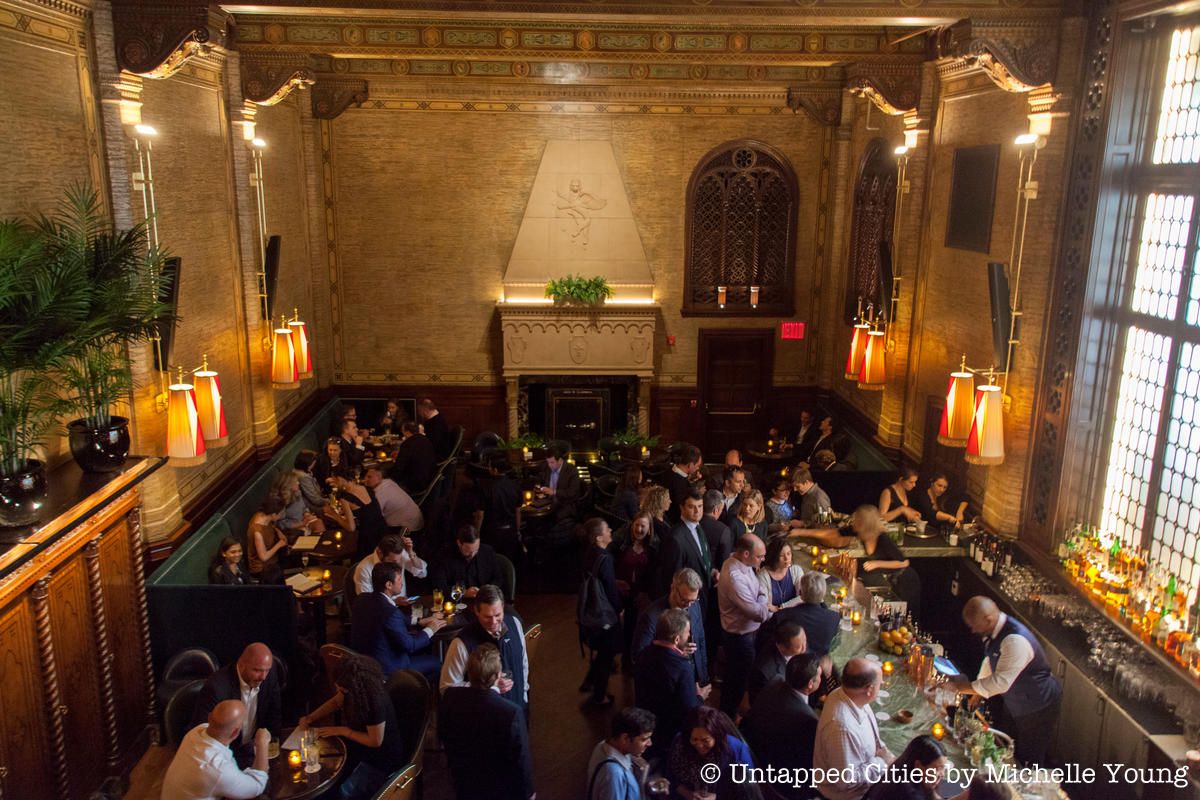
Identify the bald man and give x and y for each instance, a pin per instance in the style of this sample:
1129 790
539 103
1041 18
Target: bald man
204 768
848 745
1014 669
254 680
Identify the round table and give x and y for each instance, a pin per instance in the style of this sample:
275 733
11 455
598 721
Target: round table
333 547
285 782
317 597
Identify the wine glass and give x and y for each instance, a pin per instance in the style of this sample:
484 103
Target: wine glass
304 560
456 593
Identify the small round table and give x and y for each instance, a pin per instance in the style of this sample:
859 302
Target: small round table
335 545
317 597
285 782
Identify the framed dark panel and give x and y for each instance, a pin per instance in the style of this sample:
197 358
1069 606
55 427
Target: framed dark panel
271 272
973 197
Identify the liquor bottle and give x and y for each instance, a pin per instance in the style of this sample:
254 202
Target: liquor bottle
954 585
972 543
1008 555
988 561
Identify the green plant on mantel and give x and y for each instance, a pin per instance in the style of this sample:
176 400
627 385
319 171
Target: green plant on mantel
630 438
530 440
579 290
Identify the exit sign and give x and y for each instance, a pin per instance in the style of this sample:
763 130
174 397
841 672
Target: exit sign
791 330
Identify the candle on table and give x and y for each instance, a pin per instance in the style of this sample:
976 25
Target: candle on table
938 730
645 450
449 607
888 668
529 497
856 617
824 559
294 758
337 535
814 551
325 576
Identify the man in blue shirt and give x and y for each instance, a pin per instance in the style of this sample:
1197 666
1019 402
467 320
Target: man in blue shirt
616 769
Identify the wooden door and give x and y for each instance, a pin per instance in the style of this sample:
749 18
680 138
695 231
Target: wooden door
735 376
24 761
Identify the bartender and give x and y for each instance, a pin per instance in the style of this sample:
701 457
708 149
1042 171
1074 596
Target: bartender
1015 669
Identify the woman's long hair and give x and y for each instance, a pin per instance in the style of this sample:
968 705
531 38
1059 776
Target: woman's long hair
762 511
359 677
718 726
656 502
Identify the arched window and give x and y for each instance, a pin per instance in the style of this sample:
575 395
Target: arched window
741 233
871 236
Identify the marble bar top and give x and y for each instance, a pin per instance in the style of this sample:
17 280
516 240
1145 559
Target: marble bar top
913 547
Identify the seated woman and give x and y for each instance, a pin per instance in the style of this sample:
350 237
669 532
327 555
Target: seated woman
933 506
295 517
367 515
751 517
311 489
227 568
625 502
393 417
893 500
708 737
332 463
265 541
780 578
655 503
779 507
884 561
920 769
636 566
372 732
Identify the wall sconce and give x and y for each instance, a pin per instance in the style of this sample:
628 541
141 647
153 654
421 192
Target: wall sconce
959 412
185 445
754 296
300 345
858 345
283 359
722 295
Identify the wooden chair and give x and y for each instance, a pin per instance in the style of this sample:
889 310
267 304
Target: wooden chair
403 785
533 635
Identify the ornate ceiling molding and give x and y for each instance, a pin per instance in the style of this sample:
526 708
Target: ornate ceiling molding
332 96
156 38
1017 56
824 106
893 88
267 78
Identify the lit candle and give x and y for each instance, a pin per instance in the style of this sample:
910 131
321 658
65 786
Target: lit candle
337 535
325 576
449 607
856 617
770 443
294 758
824 559
529 497
938 730
814 551
888 668
645 450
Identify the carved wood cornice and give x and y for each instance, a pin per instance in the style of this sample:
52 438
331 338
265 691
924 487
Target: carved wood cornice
267 78
155 38
893 88
332 96
1017 56
824 106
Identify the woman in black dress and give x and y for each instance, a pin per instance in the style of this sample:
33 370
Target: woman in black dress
227 568
884 562
893 500
604 642
936 508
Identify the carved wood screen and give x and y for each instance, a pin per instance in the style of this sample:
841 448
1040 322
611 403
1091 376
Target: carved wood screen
871 236
741 233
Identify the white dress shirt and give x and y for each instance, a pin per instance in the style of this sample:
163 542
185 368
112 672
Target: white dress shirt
409 562
741 599
454 668
1015 654
848 740
204 769
397 506
250 700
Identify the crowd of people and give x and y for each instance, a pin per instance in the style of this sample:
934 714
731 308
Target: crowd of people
696 589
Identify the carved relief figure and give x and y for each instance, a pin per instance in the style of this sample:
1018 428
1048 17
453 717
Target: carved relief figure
576 206
578 348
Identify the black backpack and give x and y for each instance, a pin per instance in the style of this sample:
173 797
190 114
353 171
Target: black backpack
593 611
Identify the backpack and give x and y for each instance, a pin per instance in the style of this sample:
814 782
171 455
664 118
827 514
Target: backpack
593 611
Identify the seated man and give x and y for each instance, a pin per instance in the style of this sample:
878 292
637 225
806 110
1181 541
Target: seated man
352 442
786 643
496 625
487 745
781 725
470 564
254 680
380 630
848 750
560 481
684 595
394 549
398 508
416 461
501 499
203 768
820 624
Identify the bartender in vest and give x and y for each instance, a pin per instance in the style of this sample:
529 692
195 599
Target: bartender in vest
1014 668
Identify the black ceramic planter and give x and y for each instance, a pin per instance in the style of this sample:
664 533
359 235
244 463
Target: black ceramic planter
22 494
101 449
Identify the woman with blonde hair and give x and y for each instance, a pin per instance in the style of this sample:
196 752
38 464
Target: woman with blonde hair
751 517
655 502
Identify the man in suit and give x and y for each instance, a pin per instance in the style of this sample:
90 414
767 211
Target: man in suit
560 481
687 546
380 630
254 680
686 461
352 442
830 438
781 725
435 428
684 595
733 487
820 624
808 433
786 643
416 461
486 741
664 678
470 564
720 545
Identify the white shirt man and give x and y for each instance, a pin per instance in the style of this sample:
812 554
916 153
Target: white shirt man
848 740
396 549
204 767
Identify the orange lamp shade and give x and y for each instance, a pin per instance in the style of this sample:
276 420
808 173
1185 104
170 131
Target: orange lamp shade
300 346
858 350
872 376
985 445
185 445
959 410
210 409
283 362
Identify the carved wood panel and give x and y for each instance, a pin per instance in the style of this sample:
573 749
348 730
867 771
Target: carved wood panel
78 679
23 743
124 634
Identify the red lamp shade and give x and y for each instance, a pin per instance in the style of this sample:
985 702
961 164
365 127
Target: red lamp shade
283 361
858 350
210 409
185 445
873 376
985 445
300 346
959 411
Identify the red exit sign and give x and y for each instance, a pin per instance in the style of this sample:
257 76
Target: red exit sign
791 330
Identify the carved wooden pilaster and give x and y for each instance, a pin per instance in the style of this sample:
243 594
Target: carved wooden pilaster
512 392
1017 56
643 410
893 88
55 710
823 105
156 38
267 78
332 96
104 656
134 521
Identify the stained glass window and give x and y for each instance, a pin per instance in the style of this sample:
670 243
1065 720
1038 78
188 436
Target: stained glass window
1178 138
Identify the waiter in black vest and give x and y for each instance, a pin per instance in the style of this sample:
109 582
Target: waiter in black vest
1015 669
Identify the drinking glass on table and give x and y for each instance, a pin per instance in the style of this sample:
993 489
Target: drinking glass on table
438 598
456 593
304 560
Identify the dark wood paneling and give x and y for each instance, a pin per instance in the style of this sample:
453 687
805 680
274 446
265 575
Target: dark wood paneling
124 635
23 744
734 368
79 685
476 408
673 413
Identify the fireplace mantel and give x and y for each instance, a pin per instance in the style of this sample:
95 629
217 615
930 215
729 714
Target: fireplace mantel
544 339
